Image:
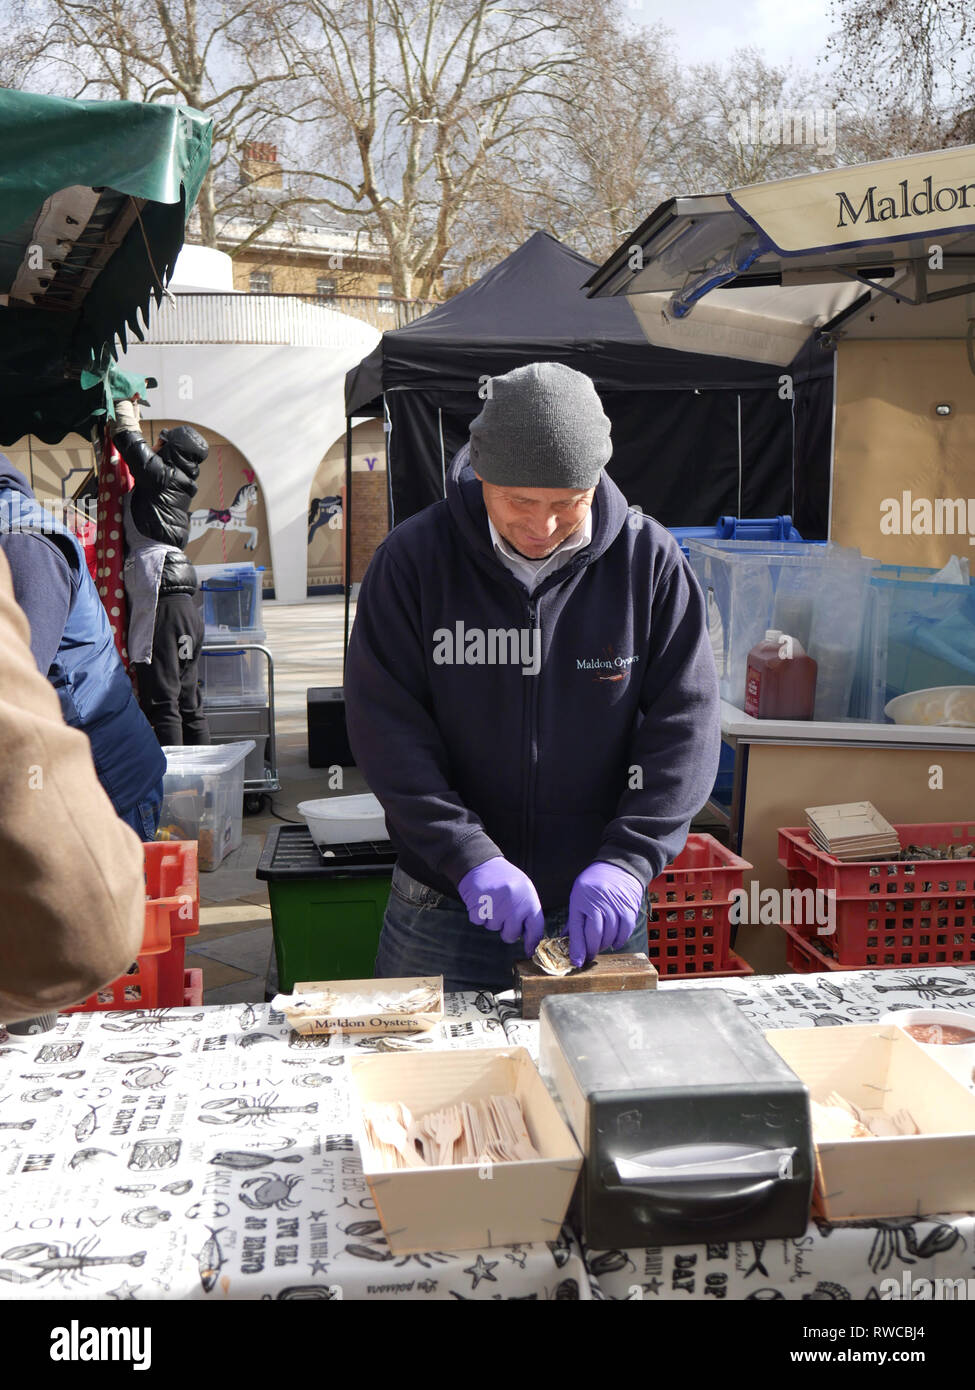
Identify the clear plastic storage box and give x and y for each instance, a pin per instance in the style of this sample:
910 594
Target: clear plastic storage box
747 528
813 592
232 676
231 599
929 629
203 798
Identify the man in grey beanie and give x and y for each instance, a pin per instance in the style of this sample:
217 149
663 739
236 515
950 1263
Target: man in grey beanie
531 694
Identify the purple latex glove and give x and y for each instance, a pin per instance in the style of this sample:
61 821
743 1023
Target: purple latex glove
603 908
499 896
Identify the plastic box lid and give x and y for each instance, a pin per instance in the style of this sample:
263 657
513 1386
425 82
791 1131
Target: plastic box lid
228 638
227 569
206 760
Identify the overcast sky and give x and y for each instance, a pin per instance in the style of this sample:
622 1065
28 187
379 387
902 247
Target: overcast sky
709 30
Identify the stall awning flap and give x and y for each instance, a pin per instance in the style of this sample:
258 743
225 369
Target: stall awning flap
876 205
759 268
94 197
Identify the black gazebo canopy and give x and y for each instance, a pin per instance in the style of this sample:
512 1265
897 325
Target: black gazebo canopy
694 436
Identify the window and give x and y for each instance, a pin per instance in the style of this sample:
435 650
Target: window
325 287
260 282
385 291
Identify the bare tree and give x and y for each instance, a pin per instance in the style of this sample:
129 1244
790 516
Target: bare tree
201 53
614 130
407 106
909 65
868 132
748 122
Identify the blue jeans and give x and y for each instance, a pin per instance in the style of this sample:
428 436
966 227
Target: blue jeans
427 933
144 817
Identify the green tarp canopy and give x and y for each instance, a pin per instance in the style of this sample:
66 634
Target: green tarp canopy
94 197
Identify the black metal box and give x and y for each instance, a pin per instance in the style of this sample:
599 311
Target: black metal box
328 741
692 1126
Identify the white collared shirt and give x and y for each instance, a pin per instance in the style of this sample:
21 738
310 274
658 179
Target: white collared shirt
532 572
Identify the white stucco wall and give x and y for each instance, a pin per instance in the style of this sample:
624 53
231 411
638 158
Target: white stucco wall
282 407
202 268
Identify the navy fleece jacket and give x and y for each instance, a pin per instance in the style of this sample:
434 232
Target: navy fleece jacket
606 753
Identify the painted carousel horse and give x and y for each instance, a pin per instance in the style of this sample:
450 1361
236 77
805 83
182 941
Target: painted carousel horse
321 512
232 518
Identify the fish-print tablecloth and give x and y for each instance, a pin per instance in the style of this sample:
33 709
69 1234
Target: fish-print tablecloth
841 1261
207 1154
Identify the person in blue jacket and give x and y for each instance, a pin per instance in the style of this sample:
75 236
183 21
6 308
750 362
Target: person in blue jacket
531 694
72 643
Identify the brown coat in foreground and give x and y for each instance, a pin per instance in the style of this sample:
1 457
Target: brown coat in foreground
72 893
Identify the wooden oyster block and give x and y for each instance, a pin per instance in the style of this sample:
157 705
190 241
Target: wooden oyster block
601 976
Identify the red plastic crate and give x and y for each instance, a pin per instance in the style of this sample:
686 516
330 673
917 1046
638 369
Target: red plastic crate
155 981
802 956
923 914
883 878
193 989
704 871
172 893
689 929
879 934
158 979
690 967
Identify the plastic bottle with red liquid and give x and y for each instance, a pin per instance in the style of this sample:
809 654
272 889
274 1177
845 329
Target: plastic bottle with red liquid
780 681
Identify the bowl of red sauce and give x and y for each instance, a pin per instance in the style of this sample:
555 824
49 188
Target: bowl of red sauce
947 1034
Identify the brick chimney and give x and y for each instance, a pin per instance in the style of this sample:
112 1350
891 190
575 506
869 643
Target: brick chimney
260 164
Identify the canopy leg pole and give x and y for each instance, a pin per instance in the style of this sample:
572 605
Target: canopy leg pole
346 520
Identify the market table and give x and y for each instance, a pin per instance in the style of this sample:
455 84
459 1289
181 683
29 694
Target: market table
840 1261
207 1154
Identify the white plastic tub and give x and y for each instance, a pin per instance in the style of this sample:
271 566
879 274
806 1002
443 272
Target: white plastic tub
203 797
950 706
344 820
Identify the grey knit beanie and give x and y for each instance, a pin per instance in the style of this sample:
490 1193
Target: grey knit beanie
542 426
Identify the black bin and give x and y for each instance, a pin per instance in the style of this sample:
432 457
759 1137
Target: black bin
328 741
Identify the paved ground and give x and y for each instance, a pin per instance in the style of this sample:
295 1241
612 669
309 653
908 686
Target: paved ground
234 945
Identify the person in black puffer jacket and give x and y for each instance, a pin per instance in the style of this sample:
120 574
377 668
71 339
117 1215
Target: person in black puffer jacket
165 617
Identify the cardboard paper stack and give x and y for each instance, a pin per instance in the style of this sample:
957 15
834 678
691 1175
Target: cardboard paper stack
409 1005
853 830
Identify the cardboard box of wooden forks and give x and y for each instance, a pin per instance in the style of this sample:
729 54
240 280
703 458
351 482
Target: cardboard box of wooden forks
466 1206
876 1067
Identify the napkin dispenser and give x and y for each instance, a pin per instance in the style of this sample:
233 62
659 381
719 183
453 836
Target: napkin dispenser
693 1128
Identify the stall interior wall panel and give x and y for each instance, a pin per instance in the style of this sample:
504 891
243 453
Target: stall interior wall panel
889 441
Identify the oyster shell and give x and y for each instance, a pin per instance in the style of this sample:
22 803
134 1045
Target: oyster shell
552 956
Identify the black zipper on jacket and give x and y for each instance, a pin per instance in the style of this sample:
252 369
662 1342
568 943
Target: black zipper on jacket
531 721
